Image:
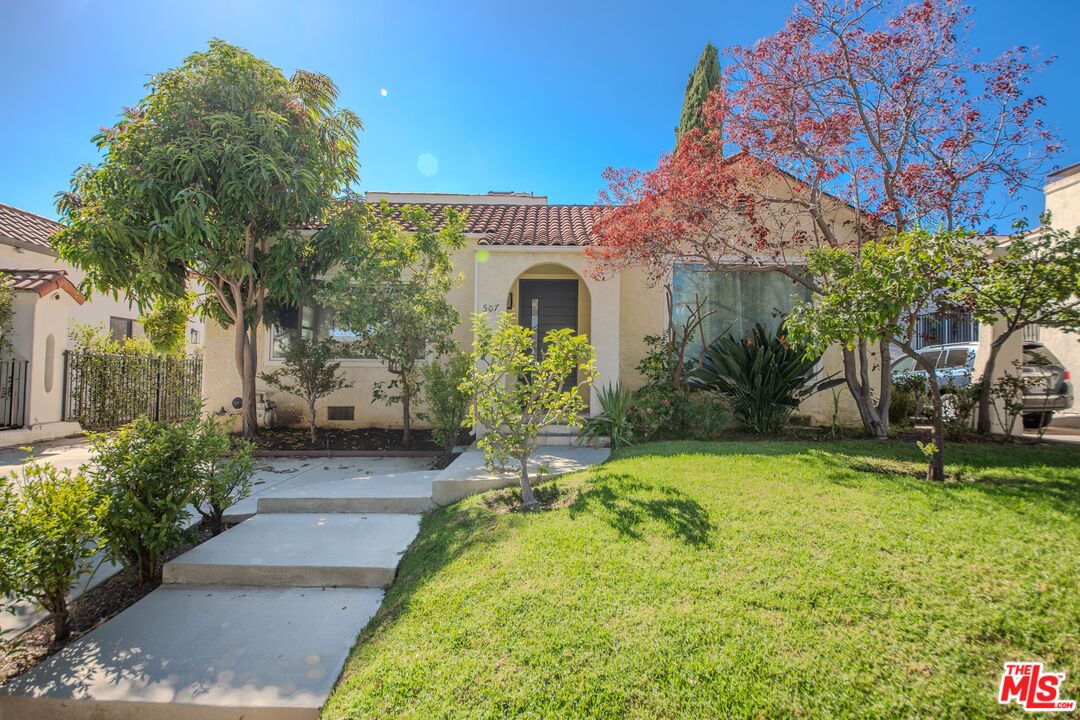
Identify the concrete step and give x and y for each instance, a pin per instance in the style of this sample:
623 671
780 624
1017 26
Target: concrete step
404 493
300 550
201 652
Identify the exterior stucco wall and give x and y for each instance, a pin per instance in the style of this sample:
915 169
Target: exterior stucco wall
221 382
1063 202
616 313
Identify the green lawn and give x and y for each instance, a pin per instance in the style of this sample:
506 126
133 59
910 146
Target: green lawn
702 580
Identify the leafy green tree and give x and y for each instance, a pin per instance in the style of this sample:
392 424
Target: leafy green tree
309 372
391 292
166 321
878 295
702 81
49 523
224 466
211 176
1032 279
515 394
7 311
446 400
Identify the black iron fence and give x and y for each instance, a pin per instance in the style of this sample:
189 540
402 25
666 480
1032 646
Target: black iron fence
13 376
104 391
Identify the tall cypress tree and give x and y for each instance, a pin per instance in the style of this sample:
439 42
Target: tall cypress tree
705 77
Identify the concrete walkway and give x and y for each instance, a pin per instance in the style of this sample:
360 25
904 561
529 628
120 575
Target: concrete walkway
272 475
258 622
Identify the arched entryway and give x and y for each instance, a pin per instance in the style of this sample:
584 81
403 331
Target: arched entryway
550 296
501 273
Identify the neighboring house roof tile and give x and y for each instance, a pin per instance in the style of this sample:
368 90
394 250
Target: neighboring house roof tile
26 229
532 225
43 281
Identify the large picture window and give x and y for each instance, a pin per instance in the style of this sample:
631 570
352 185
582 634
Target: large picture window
311 322
737 298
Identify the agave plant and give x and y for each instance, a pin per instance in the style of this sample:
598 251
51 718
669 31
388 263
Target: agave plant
764 377
614 421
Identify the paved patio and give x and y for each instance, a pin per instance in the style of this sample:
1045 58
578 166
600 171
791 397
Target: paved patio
258 622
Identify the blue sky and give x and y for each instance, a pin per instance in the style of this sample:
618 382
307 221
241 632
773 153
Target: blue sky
537 96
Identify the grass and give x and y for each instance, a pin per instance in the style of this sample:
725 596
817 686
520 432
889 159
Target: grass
703 580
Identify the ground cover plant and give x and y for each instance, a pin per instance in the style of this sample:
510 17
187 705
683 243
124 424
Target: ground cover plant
767 579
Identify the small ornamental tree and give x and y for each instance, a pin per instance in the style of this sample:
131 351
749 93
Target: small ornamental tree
446 399
309 372
391 292
879 294
224 466
48 533
211 177
1031 279
515 394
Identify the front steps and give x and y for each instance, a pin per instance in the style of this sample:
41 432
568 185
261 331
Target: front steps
201 652
406 493
233 635
300 550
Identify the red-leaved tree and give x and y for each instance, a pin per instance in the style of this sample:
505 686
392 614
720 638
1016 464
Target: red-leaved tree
858 119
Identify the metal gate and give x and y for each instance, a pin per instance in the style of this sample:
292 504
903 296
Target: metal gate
13 375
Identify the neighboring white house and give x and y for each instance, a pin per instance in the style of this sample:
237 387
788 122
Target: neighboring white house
47 303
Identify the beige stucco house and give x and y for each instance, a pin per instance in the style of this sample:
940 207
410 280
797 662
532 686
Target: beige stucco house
527 257
47 304
1063 203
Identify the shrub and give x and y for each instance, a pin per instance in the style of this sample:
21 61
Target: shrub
909 399
447 402
706 417
615 420
49 521
514 394
147 472
763 376
224 467
308 372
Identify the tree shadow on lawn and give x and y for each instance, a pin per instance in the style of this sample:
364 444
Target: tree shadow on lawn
627 503
1045 475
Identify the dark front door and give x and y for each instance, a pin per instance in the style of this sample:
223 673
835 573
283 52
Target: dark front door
545 305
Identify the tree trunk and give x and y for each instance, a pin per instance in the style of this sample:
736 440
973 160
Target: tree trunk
936 471
406 410
528 500
247 378
983 422
311 414
874 421
60 615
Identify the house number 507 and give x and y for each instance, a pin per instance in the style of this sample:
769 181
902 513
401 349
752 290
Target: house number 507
492 308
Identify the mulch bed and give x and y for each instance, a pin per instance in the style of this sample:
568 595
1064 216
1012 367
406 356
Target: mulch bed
22 652
363 439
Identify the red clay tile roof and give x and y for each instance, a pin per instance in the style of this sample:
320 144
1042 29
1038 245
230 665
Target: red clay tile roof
26 228
533 225
43 281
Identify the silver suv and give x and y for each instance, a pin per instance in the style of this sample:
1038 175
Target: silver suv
954 364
